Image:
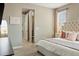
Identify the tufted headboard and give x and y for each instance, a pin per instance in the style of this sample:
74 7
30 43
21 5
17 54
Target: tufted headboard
71 26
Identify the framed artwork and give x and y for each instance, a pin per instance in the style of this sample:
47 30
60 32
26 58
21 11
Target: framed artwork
14 20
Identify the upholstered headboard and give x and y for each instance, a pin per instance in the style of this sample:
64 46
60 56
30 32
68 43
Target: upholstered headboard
71 26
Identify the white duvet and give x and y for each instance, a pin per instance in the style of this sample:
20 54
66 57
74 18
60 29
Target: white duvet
60 46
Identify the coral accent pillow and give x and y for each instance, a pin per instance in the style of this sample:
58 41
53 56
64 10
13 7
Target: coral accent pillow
72 36
63 34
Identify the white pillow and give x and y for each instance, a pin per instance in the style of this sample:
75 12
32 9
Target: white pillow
72 36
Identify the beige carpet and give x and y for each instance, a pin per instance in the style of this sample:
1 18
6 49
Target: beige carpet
28 49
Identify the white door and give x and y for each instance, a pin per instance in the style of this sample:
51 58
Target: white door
25 27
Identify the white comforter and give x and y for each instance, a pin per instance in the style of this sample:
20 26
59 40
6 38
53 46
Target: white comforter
60 46
64 42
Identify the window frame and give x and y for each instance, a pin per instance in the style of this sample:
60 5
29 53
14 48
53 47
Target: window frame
59 21
55 18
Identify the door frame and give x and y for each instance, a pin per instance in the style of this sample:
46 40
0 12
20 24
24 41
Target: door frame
33 26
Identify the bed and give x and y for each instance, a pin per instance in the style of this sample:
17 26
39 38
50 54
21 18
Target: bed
58 47
62 46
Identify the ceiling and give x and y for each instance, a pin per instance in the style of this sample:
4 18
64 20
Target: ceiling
51 5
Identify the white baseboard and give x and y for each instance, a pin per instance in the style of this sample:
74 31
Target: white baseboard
17 47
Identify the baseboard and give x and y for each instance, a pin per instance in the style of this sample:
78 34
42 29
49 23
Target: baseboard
17 47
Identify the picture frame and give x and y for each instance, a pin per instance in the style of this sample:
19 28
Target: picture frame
14 20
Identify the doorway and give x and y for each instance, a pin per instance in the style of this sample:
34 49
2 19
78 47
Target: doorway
28 25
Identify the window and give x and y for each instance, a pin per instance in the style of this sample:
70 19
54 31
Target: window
4 29
61 19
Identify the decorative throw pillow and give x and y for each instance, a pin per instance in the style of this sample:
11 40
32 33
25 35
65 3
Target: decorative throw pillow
72 36
67 34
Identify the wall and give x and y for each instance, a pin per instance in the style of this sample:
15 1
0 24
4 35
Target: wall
72 21
43 22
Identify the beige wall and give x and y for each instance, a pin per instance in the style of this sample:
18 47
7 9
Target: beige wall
43 21
73 12
72 22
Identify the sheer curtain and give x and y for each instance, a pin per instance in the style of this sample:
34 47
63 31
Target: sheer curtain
4 29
